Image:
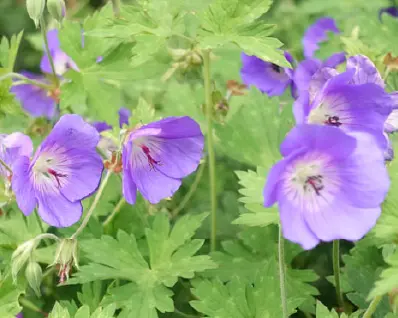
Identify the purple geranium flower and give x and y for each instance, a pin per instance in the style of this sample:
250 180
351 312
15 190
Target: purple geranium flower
35 100
267 77
158 155
64 170
392 11
350 107
62 62
124 114
316 34
365 71
12 147
328 186
20 315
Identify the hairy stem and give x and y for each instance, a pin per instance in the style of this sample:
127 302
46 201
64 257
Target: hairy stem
6 166
210 148
116 8
372 307
23 80
195 183
117 208
93 205
43 29
336 271
282 274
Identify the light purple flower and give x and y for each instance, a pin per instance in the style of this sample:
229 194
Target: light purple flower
317 33
12 147
62 62
35 100
328 186
158 155
124 114
20 315
392 11
391 124
267 77
365 71
101 126
349 107
64 170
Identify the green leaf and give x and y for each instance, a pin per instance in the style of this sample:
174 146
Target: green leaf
171 255
362 269
227 21
244 258
323 312
9 294
9 50
83 312
253 133
59 312
252 196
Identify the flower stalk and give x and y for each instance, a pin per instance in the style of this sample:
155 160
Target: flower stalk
115 211
282 273
372 307
336 271
43 29
210 148
93 205
116 8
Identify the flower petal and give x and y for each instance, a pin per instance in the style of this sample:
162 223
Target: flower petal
316 34
365 71
129 187
124 114
23 186
334 60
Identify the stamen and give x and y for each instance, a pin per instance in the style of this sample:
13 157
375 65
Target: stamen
333 121
152 162
315 182
56 175
276 68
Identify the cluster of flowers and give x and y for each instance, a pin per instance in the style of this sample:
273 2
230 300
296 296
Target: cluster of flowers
66 167
333 177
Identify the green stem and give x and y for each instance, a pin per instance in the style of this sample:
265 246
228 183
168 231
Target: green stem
336 271
24 80
28 304
282 276
372 307
386 73
191 191
93 205
118 206
6 166
210 148
47 49
116 8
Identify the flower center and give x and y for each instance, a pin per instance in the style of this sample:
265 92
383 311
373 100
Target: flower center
152 162
308 177
44 166
315 182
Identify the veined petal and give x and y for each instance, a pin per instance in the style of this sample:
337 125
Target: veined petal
365 71
129 187
22 186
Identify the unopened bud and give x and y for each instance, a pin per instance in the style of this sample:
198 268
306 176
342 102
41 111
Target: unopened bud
177 54
57 9
196 59
66 257
20 256
34 275
35 10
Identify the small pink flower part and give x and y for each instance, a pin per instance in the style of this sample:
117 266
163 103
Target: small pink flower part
64 170
157 156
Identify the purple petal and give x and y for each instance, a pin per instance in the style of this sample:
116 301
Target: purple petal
129 187
53 40
365 71
99 59
319 80
20 141
389 152
101 126
294 226
316 34
392 11
55 209
391 124
23 186
124 115
304 72
267 77
270 191
35 100
334 60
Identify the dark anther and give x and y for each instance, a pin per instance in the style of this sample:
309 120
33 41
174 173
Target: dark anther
315 182
333 121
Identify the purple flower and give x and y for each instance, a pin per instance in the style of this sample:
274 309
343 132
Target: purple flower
62 62
101 126
329 185
365 71
389 151
124 114
158 155
35 100
391 124
316 34
392 11
20 315
350 107
64 170
12 147
267 77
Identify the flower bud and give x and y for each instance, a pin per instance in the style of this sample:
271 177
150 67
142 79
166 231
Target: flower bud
57 9
34 275
35 10
66 257
21 255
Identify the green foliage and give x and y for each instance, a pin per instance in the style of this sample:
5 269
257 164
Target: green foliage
323 312
252 196
171 255
83 312
9 295
362 269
